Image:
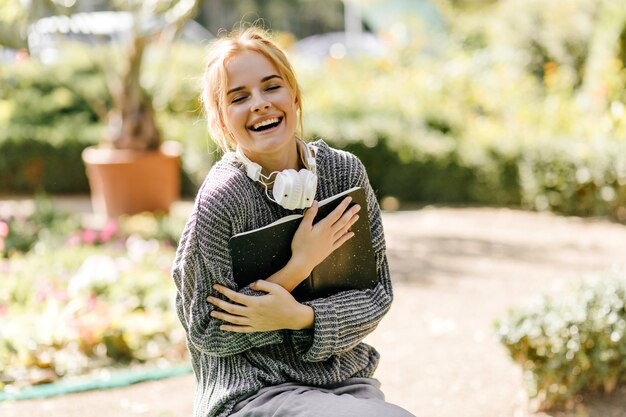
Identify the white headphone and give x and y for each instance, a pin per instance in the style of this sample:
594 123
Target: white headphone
292 189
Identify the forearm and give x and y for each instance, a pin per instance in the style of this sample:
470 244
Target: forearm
298 316
304 319
291 275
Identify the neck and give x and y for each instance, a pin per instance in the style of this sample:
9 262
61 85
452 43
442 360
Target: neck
287 160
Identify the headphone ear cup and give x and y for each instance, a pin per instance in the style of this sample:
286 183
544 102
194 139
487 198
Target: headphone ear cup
309 188
287 189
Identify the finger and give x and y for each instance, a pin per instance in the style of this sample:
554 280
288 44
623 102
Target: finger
342 239
226 306
346 228
346 221
236 329
265 286
233 295
230 318
338 211
311 212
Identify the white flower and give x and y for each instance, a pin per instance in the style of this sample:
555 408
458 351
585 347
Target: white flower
97 269
137 248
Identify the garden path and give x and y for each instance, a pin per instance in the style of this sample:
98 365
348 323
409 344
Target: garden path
456 270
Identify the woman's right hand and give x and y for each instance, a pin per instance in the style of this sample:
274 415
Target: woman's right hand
312 243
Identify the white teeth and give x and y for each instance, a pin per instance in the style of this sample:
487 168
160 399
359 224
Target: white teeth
265 123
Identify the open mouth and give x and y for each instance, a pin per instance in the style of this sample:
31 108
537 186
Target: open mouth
266 124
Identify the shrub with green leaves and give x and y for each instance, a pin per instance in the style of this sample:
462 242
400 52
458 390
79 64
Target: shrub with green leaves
575 177
49 114
456 126
570 344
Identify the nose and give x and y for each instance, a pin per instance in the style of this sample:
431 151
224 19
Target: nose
259 103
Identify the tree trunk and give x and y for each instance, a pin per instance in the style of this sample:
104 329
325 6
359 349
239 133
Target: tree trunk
131 123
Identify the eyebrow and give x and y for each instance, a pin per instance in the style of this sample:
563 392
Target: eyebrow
264 79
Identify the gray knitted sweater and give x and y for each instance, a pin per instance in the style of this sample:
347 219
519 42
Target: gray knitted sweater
230 367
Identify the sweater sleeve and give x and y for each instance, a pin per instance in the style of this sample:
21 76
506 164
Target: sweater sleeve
344 319
202 260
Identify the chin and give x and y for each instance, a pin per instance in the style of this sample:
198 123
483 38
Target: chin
273 142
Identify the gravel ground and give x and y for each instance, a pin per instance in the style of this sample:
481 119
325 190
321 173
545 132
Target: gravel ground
455 271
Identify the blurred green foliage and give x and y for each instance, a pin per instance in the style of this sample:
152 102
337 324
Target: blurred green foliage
49 114
500 111
45 126
571 344
472 128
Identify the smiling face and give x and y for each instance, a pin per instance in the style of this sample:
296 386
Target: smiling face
261 111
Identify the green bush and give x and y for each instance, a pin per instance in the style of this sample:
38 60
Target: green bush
472 128
459 126
47 117
44 126
575 177
572 344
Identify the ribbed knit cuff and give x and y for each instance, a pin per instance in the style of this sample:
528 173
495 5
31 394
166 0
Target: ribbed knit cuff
318 344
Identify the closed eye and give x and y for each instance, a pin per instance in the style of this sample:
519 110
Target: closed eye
273 87
238 99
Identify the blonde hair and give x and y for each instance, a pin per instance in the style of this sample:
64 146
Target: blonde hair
215 79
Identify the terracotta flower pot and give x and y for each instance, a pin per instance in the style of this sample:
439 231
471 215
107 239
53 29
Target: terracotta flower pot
130 182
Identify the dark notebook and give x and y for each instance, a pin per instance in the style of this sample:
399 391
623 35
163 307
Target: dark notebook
259 253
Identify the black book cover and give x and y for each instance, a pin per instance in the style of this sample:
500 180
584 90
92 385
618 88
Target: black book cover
259 253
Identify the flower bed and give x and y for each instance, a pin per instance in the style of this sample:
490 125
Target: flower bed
75 300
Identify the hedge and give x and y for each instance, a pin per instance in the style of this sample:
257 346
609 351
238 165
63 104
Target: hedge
465 140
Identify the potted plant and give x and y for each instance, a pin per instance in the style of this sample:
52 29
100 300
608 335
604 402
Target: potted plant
133 169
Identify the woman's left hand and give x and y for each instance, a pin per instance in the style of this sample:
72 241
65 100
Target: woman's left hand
275 310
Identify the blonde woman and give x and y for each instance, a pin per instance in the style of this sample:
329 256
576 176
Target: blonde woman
256 351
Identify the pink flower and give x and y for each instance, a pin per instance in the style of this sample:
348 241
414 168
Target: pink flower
4 229
41 296
61 295
89 236
109 230
44 292
92 302
74 239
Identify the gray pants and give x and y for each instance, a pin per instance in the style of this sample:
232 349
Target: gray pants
356 397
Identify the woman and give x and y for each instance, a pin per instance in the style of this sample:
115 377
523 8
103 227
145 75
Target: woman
256 351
